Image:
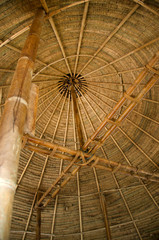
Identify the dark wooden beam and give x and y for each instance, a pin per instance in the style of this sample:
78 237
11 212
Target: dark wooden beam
77 118
38 218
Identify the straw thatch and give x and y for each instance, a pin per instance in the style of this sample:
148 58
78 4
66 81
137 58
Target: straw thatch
70 39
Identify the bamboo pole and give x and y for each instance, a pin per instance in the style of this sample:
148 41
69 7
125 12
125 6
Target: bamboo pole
78 123
32 110
147 7
103 207
78 178
101 197
38 219
12 124
151 82
81 34
114 165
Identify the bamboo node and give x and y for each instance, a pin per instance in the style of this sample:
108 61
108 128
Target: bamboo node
19 99
116 168
82 156
132 99
117 123
53 152
8 183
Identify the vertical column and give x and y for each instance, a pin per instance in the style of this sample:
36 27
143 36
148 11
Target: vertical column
32 110
12 124
38 218
1 101
77 119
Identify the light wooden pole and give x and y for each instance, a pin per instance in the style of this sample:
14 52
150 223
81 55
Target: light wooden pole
12 124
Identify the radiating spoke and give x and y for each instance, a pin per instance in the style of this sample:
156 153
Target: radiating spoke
60 43
142 130
147 7
78 177
123 200
46 108
60 171
81 34
111 35
124 56
139 148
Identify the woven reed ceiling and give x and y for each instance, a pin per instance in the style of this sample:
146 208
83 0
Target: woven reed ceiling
74 44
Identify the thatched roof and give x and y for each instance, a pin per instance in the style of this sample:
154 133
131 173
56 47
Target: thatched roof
74 39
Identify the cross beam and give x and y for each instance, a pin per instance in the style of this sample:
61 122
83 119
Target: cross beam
77 160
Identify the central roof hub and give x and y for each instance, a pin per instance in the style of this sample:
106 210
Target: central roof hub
79 83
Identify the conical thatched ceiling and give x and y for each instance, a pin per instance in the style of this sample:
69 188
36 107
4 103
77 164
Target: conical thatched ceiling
107 43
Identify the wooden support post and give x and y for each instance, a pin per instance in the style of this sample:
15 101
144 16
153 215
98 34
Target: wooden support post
103 207
104 210
32 110
12 124
38 219
1 101
77 119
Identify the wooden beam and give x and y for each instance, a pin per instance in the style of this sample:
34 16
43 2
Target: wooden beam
48 147
81 34
59 182
134 111
12 123
60 171
77 119
1 92
17 34
38 219
103 207
101 199
78 178
32 110
60 43
44 5
52 13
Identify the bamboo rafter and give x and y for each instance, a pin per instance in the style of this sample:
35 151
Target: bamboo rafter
81 34
48 15
111 35
146 6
